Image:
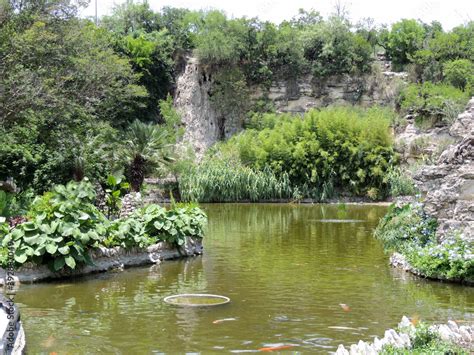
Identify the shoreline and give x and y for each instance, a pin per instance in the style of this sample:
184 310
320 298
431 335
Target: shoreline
106 259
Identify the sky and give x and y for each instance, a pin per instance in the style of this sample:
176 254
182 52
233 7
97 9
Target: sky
449 12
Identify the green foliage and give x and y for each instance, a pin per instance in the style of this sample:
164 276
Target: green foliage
459 73
453 258
61 81
154 223
333 49
432 103
224 180
425 341
115 189
341 149
404 39
219 39
401 184
405 225
64 225
410 231
144 148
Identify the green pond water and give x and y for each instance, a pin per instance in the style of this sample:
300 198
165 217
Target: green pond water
286 268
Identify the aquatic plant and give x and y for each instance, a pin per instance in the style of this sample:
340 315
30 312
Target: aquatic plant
219 180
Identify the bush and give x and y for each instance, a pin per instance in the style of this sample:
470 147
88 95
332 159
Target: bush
408 230
453 258
404 39
459 73
424 340
152 223
400 183
64 225
405 225
346 150
435 102
332 49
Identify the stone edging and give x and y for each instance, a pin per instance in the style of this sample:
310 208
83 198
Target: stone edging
111 258
461 335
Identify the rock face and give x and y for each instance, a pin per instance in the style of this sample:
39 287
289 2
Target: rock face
298 96
204 125
448 185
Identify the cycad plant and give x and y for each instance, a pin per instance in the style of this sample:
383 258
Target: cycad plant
145 147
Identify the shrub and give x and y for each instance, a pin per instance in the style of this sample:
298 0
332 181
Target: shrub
453 258
424 340
64 226
401 184
332 49
349 150
405 225
408 230
436 102
459 73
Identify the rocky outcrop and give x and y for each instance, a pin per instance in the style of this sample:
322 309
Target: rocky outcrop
201 121
298 96
451 332
204 125
105 259
448 186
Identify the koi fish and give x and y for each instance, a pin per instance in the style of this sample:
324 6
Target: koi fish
48 342
223 320
276 348
415 319
345 307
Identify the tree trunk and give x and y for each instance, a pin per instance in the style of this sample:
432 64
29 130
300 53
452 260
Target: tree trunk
137 173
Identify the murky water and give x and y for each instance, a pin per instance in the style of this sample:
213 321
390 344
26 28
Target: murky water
308 276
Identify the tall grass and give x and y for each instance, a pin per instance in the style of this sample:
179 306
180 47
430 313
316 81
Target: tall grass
217 180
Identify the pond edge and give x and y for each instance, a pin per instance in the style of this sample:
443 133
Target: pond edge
106 259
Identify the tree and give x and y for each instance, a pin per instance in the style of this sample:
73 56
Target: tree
145 147
404 39
459 73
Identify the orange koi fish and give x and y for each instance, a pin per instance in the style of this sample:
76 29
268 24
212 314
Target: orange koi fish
276 348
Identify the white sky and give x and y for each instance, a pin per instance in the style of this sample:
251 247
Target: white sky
449 12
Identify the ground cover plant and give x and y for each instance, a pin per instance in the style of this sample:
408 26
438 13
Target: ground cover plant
411 232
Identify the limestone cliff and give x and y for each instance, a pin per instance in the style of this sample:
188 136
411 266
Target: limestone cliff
448 185
202 128
204 125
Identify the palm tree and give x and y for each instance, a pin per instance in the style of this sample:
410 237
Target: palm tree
145 147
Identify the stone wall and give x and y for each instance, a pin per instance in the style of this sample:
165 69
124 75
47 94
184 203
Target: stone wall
448 185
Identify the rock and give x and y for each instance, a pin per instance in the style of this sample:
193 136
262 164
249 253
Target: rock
448 185
465 334
453 326
341 350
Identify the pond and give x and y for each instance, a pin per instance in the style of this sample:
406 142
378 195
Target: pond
306 276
